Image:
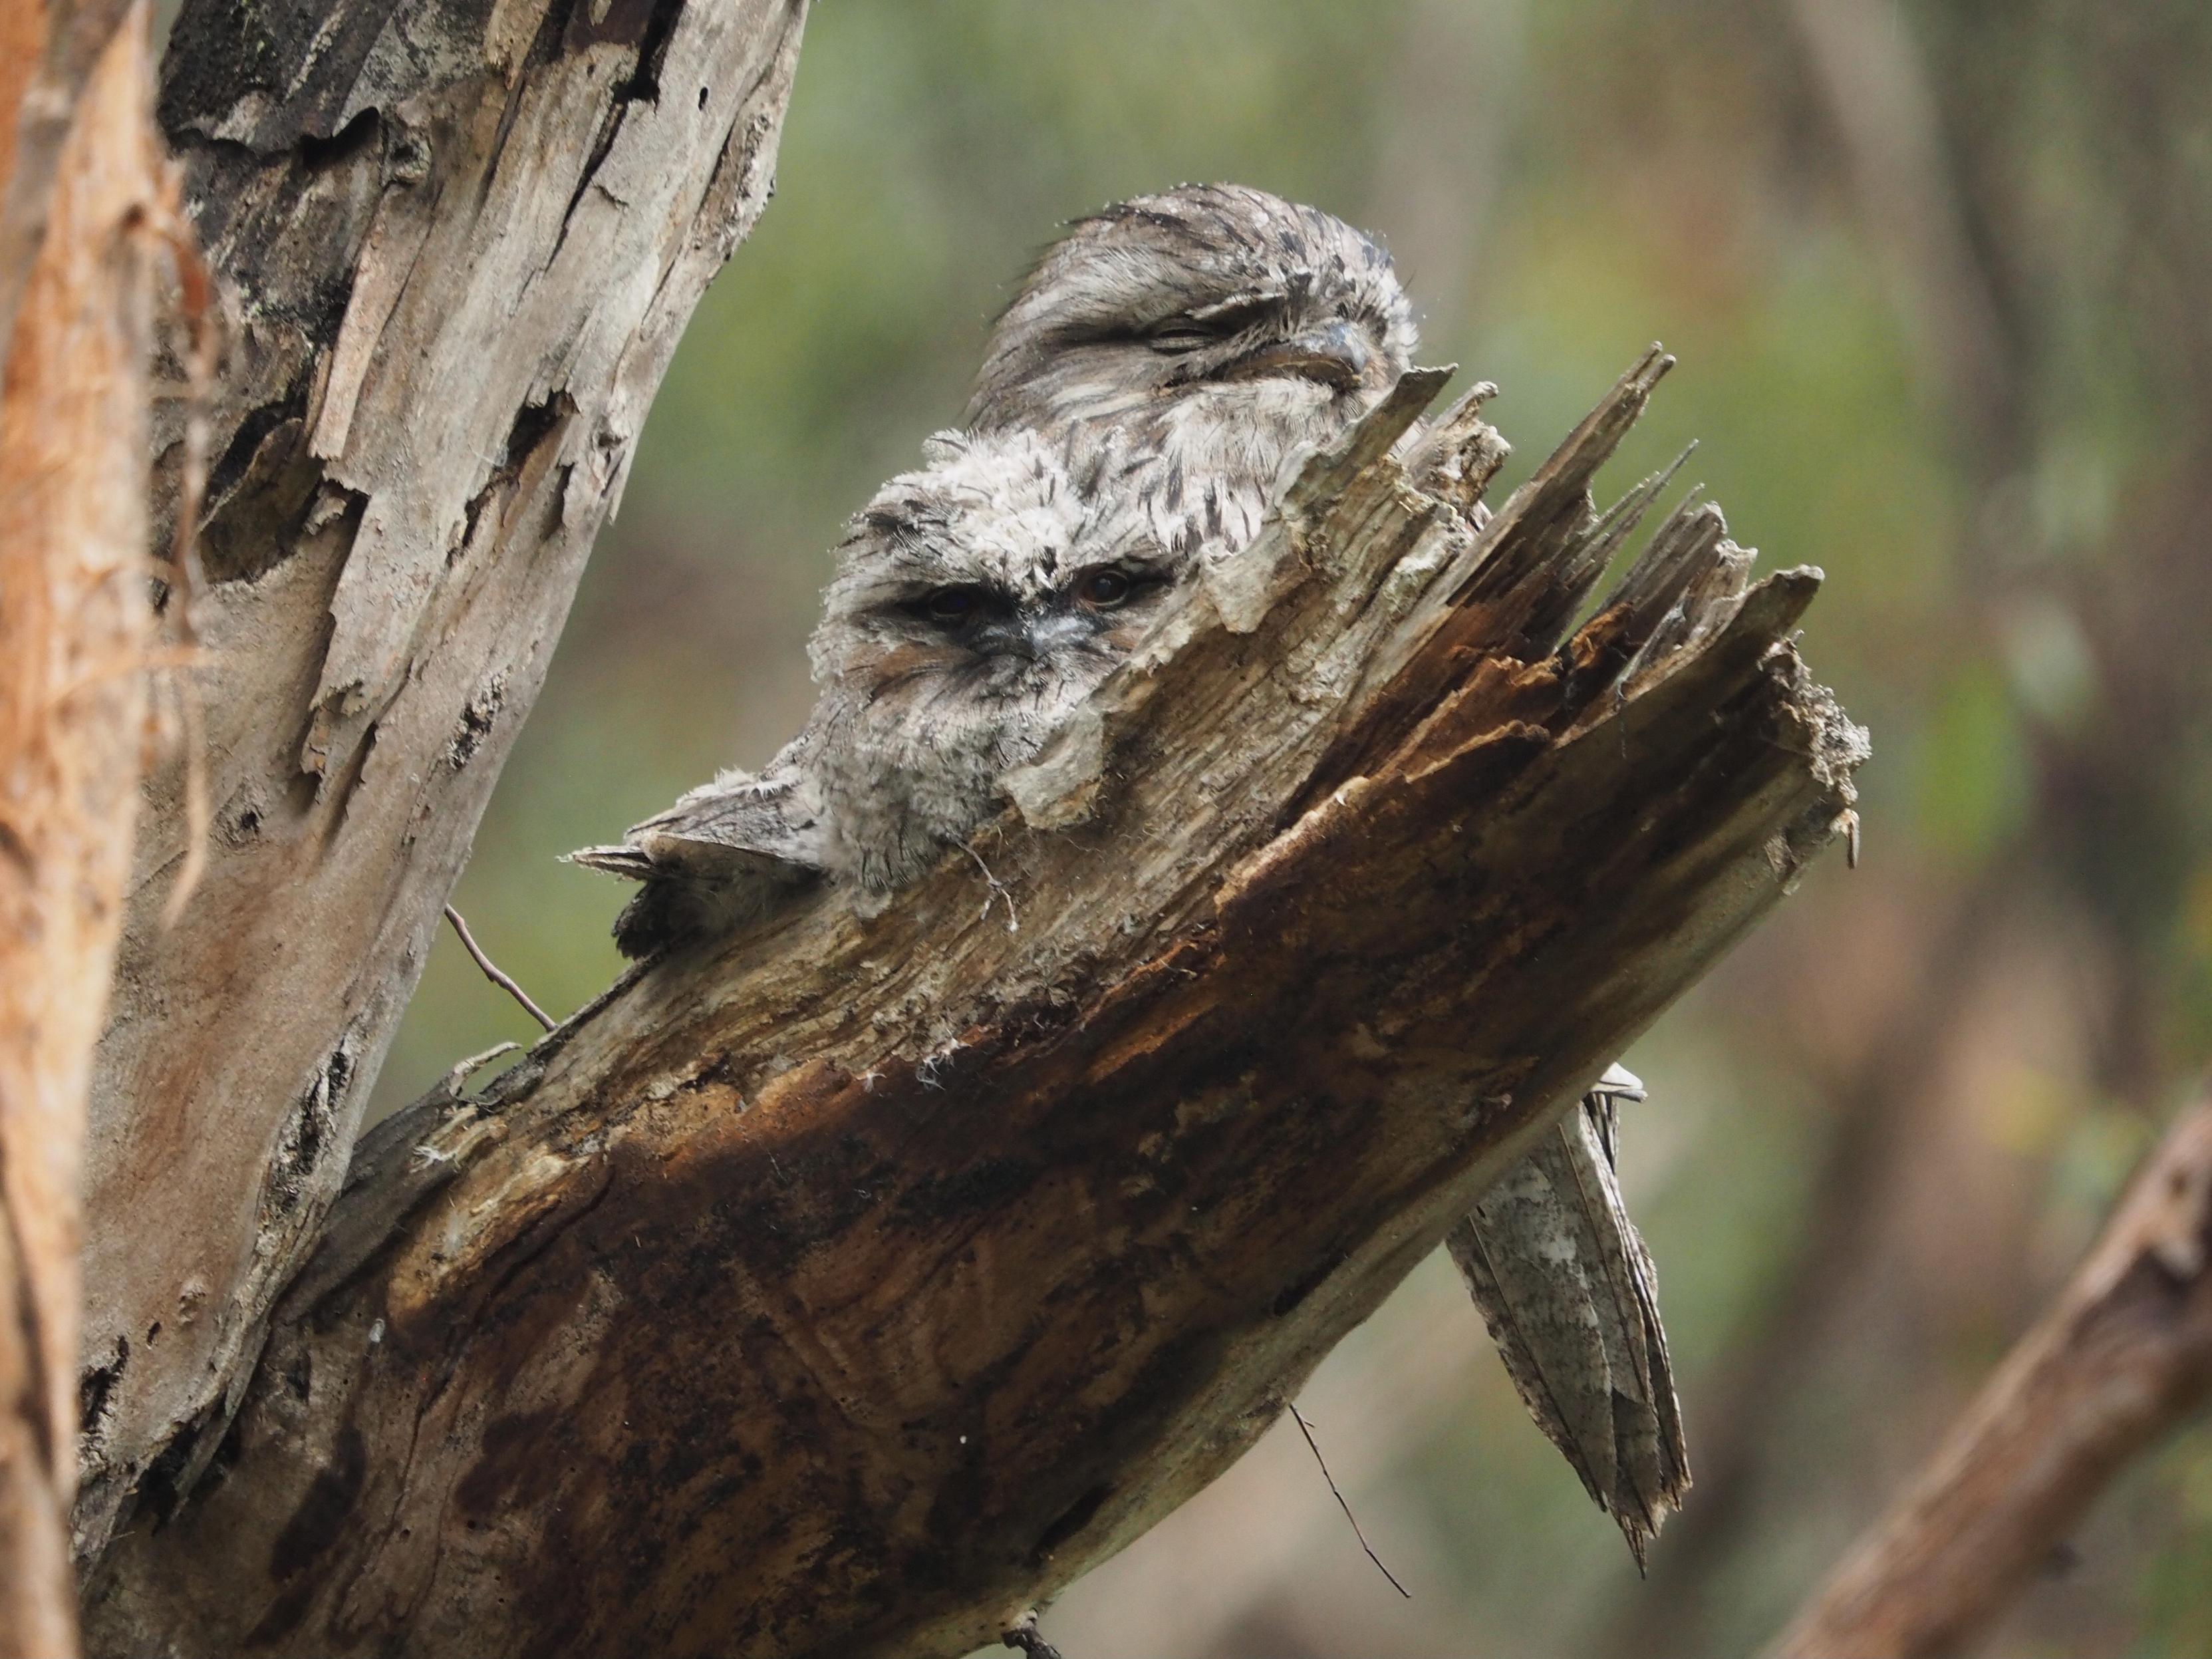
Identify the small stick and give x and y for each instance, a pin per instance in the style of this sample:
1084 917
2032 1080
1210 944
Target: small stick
492 970
457 1075
1304 1429
999 889
198 305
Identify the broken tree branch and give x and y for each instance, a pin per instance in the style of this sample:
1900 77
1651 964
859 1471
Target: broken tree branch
2124 1357
848 1286
459 242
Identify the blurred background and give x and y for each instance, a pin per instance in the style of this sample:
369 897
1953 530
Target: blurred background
1940 277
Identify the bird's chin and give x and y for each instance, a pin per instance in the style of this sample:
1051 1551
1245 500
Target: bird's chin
1294 400
1234 427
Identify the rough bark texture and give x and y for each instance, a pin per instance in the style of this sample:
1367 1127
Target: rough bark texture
460 240
48 51
844 1288
74 622
2125 1357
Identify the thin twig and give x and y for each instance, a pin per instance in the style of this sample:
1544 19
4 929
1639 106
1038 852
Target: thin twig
196 288
456 1076
1306 1430
999 889
492 970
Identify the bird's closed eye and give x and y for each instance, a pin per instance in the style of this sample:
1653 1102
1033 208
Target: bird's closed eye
952 607
1208 325
1180 334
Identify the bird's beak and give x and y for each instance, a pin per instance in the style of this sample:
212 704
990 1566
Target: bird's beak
1010 637
1029 636
1336 354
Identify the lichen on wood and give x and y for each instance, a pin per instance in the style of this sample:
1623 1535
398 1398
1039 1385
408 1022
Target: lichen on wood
845 1287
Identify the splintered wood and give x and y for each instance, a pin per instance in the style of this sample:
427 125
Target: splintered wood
846 1286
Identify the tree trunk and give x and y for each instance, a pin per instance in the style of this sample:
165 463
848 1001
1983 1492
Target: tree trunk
47 53
846 1286
79 191
459 242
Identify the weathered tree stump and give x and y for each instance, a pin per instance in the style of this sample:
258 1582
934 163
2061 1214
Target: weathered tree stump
846 1287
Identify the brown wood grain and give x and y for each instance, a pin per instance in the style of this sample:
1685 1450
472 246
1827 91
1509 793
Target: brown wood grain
845 1287
458 243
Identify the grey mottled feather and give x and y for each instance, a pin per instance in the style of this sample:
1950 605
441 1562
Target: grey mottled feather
916 722
724 853
1569 1292
917 726
1216 332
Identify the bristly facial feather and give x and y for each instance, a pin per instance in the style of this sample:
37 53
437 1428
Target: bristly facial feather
977 605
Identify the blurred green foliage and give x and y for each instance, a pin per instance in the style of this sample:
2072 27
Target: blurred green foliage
2016 607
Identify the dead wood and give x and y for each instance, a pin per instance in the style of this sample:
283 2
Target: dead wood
846 1287
79 186
458 242
2124 1357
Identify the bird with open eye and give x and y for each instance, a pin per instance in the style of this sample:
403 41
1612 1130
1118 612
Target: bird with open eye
976 603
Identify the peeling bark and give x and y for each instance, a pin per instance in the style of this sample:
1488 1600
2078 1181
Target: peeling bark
846 1286
459 241
81 183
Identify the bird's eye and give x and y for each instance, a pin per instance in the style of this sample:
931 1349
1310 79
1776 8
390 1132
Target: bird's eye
1179 335
1103 590
1210 324
952 605
1237 313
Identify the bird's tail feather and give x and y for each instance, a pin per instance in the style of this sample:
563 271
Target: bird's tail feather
1570 1294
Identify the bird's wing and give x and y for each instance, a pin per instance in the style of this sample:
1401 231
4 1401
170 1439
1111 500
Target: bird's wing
720 856
1568 1290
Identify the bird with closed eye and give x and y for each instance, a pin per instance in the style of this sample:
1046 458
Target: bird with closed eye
1218 334
1141 401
